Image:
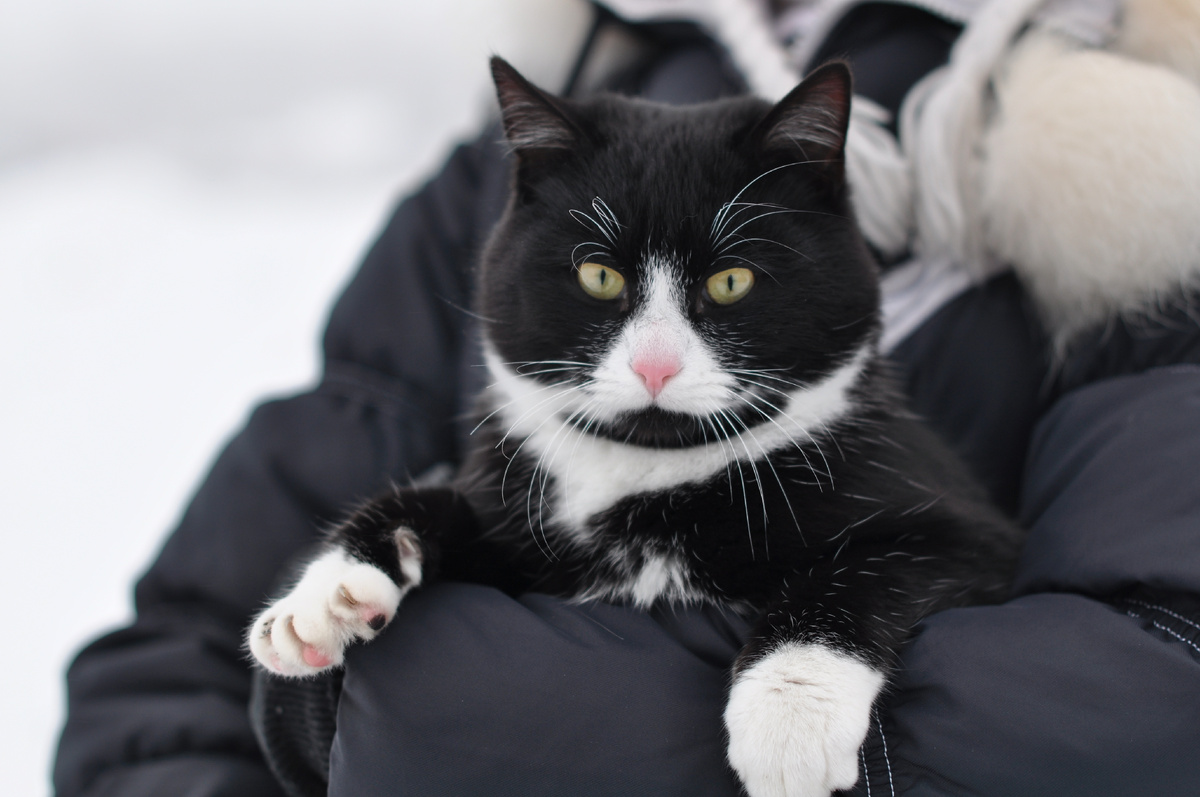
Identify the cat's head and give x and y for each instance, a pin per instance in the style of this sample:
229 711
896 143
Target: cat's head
668 276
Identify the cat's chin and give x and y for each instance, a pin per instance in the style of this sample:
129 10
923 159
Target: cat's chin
655 427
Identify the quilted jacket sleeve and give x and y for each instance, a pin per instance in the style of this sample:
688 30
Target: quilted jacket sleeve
159 708
1088 681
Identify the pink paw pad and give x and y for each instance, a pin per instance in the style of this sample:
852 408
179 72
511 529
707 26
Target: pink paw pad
315 658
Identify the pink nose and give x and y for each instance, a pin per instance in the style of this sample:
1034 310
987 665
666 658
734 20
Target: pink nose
655 372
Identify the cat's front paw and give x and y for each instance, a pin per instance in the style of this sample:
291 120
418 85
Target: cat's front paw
337 600
797 718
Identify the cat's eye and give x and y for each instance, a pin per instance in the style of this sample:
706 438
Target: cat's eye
726 287
601 282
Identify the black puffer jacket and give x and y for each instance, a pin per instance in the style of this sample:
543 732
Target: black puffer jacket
1086 683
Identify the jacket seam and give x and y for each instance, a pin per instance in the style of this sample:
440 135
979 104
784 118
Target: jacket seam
1166 611
1164 629
886 757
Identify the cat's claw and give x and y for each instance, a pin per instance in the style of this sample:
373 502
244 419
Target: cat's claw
338 600
796 720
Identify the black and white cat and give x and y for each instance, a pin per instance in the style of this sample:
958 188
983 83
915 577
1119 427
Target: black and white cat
688 407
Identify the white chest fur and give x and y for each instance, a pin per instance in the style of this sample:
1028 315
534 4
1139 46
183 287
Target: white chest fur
591 474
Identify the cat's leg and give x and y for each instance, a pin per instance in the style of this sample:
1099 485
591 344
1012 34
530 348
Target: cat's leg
353 588
803 689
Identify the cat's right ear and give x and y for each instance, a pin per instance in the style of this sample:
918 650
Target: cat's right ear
535 123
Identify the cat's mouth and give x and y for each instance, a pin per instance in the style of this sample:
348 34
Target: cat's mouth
655 427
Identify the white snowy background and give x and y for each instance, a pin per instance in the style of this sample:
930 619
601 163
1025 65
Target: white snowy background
183 188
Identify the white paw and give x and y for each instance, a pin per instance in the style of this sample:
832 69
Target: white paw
337 601
797 719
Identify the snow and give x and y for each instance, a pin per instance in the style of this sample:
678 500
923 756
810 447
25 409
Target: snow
183 188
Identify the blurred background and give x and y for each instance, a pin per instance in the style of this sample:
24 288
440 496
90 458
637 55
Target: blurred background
184 187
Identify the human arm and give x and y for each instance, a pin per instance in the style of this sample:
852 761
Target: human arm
160 707
1089 681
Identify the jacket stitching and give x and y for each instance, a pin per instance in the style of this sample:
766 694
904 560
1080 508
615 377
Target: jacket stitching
1185 641
1162 627
886 758
1166 611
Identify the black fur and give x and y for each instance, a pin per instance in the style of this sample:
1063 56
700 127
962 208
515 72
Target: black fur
848 537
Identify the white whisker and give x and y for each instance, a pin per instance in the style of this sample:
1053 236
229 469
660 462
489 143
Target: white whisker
828 472
741 240
720 243
722 213
745 493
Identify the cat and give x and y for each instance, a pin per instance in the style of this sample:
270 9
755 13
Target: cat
681 322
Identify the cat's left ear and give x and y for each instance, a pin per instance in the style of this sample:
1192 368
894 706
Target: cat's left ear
811 121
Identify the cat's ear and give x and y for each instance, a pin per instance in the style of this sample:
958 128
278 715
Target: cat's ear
811 121
535 123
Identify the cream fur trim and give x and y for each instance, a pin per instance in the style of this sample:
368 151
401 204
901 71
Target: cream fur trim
1091 182
1165 32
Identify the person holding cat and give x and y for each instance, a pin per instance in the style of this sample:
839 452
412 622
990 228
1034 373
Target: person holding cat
1078 419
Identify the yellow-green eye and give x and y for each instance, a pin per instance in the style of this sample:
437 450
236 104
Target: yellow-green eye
600 281
726 287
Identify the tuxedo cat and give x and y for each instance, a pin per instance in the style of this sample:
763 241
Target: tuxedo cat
687 407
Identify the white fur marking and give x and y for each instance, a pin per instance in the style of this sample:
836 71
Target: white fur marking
651 582
593 473
330 607
661 576
660 327
409 552
797 719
